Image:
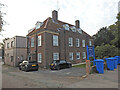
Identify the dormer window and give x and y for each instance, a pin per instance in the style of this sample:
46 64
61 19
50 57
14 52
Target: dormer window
66 26
79 30
38 25
73 29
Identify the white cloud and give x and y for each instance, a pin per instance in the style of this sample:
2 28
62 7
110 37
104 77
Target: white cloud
93 14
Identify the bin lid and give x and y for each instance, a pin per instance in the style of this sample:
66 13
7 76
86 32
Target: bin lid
111 58
117 56
99 60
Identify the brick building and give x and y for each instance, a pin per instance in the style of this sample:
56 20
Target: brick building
15 50
57 40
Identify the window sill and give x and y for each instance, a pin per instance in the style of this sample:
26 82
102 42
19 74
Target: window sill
83 47
70 46
40 62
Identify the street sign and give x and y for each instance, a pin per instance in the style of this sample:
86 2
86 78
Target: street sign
90 52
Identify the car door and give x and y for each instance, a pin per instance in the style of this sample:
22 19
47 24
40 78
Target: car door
66 64
63 64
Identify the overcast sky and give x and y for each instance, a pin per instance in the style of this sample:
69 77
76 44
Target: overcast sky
23 14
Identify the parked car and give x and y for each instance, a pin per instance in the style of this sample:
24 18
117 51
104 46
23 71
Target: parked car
60 64
20 62
28 65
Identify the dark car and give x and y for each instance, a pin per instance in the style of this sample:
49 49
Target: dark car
60 64
28 65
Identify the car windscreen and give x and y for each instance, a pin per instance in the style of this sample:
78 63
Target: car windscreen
62 61
32 61
57 61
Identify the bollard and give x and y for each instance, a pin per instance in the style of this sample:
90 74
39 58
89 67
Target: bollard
87 67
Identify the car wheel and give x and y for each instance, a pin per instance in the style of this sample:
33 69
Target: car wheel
51 68
70 65
58 67
26 70
36 70
19 68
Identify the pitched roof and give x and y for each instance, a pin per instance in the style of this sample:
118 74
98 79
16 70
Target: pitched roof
50 24
42 27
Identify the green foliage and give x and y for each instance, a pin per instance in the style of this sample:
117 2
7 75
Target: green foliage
107 40
105 51
91 64
2 22
91 58
104 36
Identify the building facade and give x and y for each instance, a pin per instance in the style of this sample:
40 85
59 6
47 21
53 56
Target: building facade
15 50
56 40
1 52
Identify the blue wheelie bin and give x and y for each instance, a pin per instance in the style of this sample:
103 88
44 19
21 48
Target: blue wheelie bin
115 62
94 63
99 65
110 63
118 57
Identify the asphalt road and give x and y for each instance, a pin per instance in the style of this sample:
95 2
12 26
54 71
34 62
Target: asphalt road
65 78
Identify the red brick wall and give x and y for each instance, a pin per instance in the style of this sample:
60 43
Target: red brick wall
47 49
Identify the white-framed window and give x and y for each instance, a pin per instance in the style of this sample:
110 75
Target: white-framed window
32 42
39 57
78 55
12 44
77 42
71 55
38 25
79 30
84 55
66 26
90 43
55 40
83 43
55 56
73 28
39 40
70 39
8 45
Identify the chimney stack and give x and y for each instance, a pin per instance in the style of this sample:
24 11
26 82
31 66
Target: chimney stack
55 15
77 24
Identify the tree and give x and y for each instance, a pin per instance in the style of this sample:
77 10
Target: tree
115 29
107 40
105 51
103 36
2 22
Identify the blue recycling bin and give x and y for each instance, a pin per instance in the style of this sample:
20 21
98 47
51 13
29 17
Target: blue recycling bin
110 63
118 57
94 62
99 65
115 62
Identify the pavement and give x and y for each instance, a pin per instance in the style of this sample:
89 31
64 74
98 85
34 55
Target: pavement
107 80
65 78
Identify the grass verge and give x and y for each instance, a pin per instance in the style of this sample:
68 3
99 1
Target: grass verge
80 66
